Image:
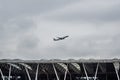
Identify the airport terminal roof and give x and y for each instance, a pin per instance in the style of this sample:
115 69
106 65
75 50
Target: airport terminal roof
51 67
60 61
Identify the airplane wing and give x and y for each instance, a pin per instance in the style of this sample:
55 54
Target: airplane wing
65 36
62 37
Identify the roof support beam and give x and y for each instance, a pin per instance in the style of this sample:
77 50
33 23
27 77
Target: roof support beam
65 75
103 67
69 74
25 65
9 72
14 65
85 71
96 71
36 75
26 69
27 73
89 68
55 72
66 70
117 66
2 74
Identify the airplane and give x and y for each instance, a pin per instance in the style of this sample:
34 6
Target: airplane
60 38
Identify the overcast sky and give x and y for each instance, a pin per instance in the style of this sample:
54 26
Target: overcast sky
27 29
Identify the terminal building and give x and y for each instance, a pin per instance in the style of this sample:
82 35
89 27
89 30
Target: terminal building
83 69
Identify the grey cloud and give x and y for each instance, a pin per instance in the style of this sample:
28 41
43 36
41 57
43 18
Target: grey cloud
12 33
94 11
27 28
99 46
28 43
15 28
1 53
28 47
12 8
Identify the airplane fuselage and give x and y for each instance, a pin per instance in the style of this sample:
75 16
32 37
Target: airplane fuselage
60 38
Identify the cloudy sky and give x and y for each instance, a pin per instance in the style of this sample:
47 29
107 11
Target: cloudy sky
27 29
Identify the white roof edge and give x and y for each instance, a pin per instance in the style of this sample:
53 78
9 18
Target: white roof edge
60 61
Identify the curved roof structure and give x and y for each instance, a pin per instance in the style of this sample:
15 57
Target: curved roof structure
83 69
